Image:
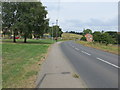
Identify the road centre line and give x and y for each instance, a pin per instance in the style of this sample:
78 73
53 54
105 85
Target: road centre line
85 53
98 58
108 63
77 49
73 46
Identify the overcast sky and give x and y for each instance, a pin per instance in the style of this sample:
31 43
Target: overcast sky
75 15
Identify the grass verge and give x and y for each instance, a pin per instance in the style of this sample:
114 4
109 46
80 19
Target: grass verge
21 62
109 48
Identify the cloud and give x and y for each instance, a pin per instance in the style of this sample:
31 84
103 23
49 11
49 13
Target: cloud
94 24
80 0
97 22
76 16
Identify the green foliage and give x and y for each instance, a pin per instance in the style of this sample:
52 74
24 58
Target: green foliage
106 38
114 35
109 37
25 18
118 38
103 37
87 31
97 36
56 31
83 38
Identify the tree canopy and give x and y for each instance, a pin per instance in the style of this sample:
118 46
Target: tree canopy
103 37
55 31
25 18
86 31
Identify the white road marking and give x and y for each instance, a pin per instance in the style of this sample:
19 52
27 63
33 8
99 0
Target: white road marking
77 49
85 53
73 46
108 63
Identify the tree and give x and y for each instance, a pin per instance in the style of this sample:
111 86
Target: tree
106 38
40 22
87 31
114 35
103 37
118 38
55 31
25 18
97 36
10 16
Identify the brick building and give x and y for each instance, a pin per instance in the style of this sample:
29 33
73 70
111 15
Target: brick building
89 37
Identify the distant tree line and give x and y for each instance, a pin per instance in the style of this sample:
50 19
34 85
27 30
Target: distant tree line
108 37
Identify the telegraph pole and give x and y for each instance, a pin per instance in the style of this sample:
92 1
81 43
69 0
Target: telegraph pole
52 30
56 29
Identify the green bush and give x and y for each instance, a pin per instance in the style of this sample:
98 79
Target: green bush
83 38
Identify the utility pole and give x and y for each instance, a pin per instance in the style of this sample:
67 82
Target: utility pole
52 30
56 29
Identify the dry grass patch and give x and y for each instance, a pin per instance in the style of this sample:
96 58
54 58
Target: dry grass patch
109 48
70 36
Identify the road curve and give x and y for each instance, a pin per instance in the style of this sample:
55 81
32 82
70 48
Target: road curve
97 68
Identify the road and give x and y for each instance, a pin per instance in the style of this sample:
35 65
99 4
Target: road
97 68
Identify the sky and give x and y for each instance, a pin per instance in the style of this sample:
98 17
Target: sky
77 15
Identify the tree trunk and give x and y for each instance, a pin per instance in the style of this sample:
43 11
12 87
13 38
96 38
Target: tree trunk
14 40
25 39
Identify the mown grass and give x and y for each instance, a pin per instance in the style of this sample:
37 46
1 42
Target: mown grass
31 41
109 48
21 62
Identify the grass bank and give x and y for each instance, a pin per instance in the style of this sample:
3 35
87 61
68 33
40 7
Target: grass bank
70 36
21 62
109 48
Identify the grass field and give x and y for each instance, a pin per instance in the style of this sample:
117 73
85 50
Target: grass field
110 48
70 36
21 62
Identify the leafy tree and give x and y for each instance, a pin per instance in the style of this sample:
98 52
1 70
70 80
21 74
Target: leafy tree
97 36
40 22
106 38
25 18
55 31
87 31
103 37
118 38
114 35
10 16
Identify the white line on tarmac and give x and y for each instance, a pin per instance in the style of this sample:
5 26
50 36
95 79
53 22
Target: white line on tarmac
85 53
73 46
108 63
77 49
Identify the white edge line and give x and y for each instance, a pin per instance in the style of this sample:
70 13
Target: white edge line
108 63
